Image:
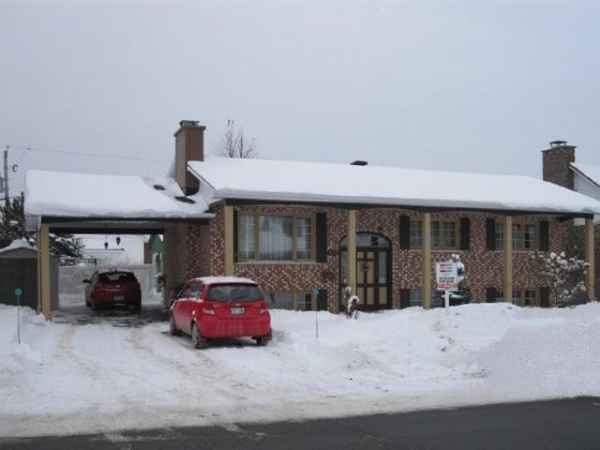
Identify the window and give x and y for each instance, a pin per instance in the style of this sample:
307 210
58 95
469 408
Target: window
530 297
247 237
228 293
521 297
525 236
303 238
416 234
443 235
293 300
524 297
274 238
191 291
415 297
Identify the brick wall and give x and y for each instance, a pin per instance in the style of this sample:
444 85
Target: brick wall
483 268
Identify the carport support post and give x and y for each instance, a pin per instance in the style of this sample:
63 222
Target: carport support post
44 267
351 242
427 292
229 240
508 260
590 280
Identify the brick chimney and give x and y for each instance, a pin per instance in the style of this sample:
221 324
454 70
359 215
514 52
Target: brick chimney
556 164
189 146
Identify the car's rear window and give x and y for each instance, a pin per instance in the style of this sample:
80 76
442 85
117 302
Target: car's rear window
116 277
234 293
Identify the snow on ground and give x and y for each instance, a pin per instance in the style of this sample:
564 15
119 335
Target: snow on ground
69 378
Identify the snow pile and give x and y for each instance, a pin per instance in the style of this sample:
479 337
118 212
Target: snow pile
18 358
81 378
345 183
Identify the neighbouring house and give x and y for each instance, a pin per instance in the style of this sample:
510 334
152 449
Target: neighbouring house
561 168
305 230
153 254
18 269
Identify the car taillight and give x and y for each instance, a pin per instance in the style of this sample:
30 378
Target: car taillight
263 308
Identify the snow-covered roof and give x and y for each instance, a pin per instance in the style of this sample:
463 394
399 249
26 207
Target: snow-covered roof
590 171
17 244
67 194
256 179
223 280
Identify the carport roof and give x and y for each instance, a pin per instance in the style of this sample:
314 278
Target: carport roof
95 196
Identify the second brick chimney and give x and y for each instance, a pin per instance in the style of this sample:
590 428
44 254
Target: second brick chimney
189 146
556 164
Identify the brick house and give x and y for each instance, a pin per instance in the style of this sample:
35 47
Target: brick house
290 226
304 230
561 168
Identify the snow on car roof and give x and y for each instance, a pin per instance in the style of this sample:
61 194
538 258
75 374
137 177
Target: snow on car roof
67 194
256 179
223 280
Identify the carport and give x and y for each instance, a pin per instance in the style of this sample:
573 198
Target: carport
75 203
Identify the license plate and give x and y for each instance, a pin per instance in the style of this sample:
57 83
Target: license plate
237 311
119 298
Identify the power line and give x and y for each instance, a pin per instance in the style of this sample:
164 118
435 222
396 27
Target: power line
91 155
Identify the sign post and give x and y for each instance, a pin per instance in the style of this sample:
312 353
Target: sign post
316 296
18 293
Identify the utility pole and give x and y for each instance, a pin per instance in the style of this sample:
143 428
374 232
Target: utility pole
6 194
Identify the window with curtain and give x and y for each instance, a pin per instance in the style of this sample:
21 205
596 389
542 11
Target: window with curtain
303 238
246 237
274 238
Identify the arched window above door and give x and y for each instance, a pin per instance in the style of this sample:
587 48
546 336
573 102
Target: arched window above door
365 239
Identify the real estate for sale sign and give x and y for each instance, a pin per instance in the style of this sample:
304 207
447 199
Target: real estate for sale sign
446 275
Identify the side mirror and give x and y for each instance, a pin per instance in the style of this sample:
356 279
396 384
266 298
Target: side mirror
86 281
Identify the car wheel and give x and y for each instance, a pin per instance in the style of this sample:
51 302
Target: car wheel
263 340
197 340
173 331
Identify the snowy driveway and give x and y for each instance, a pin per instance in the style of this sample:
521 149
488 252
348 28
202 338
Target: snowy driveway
70 378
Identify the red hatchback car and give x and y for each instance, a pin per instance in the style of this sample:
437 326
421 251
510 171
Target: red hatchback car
113 288
220 307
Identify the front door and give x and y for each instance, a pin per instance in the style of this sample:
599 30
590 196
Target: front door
373 274
372 278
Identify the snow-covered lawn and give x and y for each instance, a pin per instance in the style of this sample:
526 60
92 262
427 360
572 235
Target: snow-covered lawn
70 378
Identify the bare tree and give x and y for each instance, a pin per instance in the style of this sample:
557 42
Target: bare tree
234 143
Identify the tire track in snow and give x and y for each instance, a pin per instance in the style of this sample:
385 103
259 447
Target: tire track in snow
206 369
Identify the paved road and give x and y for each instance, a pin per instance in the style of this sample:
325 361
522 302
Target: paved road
560 424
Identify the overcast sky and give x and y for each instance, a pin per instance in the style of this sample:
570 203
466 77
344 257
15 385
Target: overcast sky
477 86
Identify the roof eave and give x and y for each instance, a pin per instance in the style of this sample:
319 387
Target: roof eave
230 196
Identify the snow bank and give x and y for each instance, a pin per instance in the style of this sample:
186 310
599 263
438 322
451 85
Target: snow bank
73 378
